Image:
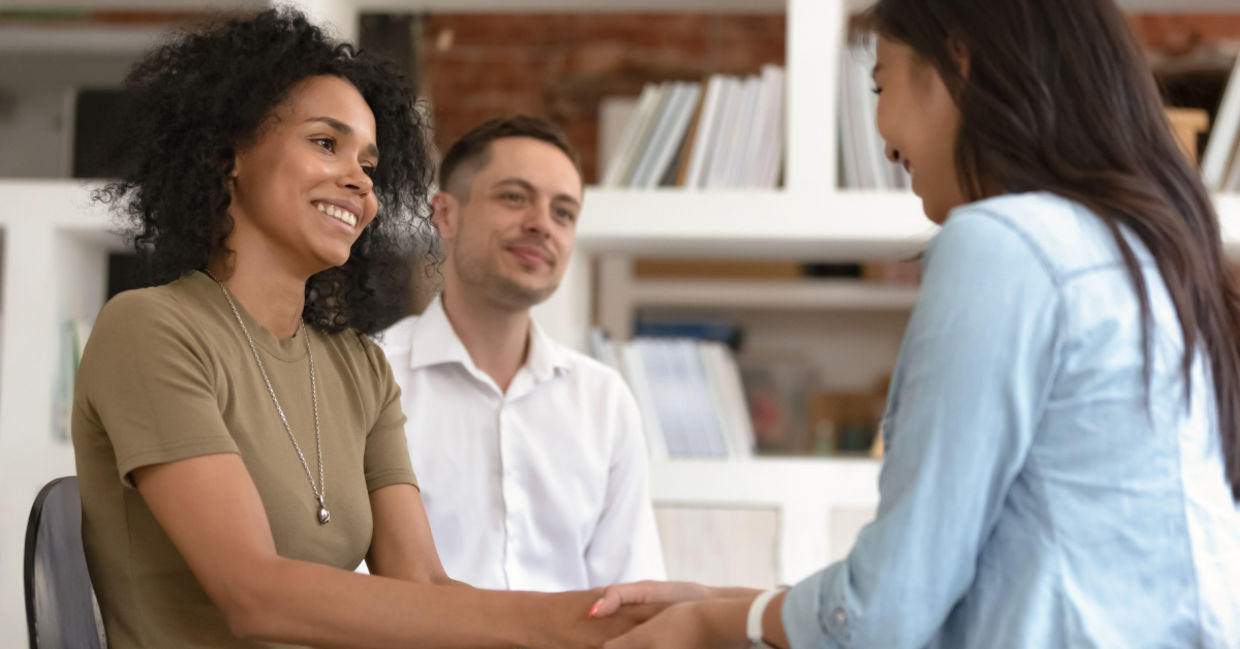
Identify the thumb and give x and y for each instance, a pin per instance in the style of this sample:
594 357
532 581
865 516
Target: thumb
614 597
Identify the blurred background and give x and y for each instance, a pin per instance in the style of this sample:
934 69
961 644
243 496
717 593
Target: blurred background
746 257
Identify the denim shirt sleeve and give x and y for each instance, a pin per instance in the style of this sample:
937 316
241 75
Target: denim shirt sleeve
974 374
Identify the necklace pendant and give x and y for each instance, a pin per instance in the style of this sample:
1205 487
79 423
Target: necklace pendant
325 516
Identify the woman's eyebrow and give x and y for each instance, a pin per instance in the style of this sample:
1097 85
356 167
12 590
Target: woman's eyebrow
344 129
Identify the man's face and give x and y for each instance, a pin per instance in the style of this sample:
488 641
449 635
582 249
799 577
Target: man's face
511 236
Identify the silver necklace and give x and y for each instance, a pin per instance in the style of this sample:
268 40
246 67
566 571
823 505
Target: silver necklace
320 491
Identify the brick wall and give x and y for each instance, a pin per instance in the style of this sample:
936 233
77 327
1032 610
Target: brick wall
474 67
477 66
1179 34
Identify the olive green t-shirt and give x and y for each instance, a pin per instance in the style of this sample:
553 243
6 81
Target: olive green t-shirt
168 375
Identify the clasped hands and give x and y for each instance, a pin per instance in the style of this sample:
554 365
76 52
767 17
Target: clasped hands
657 615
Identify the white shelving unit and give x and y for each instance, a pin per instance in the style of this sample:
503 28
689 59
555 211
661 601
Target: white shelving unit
818 507
55 244
810 294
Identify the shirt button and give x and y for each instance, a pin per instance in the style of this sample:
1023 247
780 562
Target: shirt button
839 617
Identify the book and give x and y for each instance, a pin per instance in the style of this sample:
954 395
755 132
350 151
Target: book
667 390
733 96
689 393
771 154
1218 159
707 132
626 149
644 172
737 138
727 398
615 115
646 132
727 132
757 136
703 425
691 136
634 372
666 141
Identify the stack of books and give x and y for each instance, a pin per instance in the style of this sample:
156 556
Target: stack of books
689 392
863 157
728 134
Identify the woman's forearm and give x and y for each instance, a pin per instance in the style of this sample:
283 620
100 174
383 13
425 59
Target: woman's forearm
307 603
773 623
732 592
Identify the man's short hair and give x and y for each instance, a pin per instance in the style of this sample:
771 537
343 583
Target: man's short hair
473 151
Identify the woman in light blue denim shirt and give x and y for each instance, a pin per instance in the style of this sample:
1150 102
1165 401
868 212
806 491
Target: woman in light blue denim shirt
1063 431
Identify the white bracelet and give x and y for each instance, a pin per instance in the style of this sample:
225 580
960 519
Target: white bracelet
753 626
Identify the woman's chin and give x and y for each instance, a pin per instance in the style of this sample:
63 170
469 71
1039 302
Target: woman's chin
937 210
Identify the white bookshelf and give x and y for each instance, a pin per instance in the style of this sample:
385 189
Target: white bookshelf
818 507
812 222
54 246
795 295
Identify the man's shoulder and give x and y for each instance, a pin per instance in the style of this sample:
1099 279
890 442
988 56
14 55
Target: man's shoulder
586 366
397 337
601 381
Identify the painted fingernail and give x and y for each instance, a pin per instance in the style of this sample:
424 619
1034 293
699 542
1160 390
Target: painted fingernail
597 606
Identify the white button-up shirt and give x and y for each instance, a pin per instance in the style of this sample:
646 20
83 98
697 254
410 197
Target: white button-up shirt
543 488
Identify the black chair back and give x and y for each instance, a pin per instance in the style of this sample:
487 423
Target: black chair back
61 612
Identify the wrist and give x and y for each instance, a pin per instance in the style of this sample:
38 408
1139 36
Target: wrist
733 592
764 627
723 621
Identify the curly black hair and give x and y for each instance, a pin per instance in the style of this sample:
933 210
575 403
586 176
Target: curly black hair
204 95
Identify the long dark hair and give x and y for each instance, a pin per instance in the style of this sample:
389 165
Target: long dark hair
1058 98
207 93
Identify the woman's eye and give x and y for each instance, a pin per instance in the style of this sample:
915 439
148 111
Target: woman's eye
325 142
876 90
368 170
567 215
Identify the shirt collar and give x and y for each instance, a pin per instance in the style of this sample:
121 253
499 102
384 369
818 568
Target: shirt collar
545 356
433 341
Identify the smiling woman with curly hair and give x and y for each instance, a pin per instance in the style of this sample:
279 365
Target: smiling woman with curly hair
203 98
239 439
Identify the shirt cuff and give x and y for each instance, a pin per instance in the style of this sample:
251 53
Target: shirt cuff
816 614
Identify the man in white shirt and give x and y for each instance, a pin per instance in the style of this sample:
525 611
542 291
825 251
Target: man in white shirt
531 456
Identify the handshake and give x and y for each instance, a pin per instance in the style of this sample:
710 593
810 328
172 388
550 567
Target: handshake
658 615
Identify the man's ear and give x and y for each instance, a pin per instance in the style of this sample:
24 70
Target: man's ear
445 213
